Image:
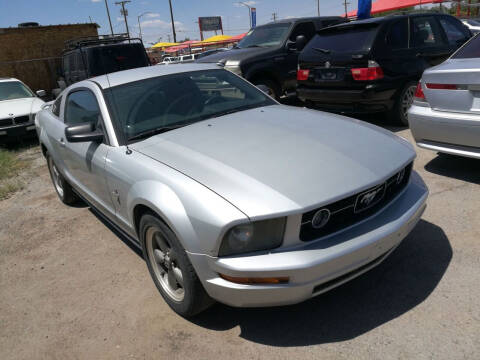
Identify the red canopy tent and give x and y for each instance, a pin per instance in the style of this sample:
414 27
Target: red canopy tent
387 5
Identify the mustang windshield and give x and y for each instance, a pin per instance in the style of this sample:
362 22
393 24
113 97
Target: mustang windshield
264 36
10 90
146 107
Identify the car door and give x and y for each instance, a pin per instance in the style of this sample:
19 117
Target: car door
85 161
306 29
428 42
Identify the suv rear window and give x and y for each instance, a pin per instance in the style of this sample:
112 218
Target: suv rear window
345 39
470 50
108 59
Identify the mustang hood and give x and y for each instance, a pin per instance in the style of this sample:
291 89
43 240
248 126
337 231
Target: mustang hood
19 107
278 160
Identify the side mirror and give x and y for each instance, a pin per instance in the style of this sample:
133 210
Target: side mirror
300 42
41 93
83 133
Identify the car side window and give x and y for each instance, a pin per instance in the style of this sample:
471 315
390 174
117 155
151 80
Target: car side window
82 107
306 29
56 106
425 32
455 31
397 36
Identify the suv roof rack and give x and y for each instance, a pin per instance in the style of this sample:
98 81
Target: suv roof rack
98 40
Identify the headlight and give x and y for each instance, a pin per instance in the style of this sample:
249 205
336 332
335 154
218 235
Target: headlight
259 235
234 66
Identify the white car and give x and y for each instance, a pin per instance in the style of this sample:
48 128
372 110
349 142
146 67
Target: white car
18 107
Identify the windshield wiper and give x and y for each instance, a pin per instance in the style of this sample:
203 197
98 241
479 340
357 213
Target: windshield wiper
325 51
156 131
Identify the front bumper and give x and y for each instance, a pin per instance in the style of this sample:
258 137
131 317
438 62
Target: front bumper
317 266
351 101
15 131
447 132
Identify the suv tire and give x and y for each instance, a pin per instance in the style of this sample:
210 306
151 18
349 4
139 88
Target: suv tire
404 100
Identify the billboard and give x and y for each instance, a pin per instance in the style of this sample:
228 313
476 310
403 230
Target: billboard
210 23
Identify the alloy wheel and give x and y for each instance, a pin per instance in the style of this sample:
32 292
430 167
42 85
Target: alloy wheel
407 100
56 177
163 260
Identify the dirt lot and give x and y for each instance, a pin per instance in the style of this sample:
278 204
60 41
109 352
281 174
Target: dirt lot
70 288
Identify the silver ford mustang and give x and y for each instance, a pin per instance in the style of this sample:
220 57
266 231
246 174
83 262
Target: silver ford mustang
445 115
230 195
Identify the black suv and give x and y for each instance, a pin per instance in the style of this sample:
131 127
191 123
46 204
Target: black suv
374 65
268 54
92 56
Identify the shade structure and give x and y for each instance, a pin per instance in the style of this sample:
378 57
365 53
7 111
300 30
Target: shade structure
163 45
217 38
238 37
387 5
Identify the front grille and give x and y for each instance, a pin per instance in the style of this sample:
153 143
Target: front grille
352 210
6 122
22 119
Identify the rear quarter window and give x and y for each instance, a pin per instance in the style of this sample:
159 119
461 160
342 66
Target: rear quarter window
470 50
344 39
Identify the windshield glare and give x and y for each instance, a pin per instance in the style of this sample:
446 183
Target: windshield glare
180 99
268 35
10 90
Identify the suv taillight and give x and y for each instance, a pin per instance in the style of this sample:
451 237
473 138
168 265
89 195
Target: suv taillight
372 72
302 74
419 95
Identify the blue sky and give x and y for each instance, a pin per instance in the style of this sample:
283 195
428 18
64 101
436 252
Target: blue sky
157 24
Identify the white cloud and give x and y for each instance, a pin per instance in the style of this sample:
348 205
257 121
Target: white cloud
119 19
152 15
162 25
96 0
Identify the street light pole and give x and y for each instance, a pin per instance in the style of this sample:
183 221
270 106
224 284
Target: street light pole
124 13
173 23
140 26
108 14
318 7
249 11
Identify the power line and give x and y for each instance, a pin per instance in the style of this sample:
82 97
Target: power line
108 14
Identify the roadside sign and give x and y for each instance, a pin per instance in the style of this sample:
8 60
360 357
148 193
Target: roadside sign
254 17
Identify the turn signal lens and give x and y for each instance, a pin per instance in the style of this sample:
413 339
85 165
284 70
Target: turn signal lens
419 95
441 86
252 280
302 74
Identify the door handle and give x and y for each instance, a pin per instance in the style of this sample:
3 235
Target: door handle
62 142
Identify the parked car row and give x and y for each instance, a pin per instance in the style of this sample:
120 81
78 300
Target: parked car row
351 67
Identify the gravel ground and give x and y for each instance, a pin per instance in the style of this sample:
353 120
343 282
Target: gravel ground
70 288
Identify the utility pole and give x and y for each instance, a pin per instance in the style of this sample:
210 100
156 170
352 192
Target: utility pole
124 12
274 17
109 20
318 7
173 23
345 3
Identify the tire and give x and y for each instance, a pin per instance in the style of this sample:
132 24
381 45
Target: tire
170 268
61 186
273 88
404 100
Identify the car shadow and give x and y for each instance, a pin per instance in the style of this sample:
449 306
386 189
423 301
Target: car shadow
458 167
115 230
20 143
401 282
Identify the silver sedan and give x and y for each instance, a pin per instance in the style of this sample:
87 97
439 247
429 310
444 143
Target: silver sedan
445 115
230 195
